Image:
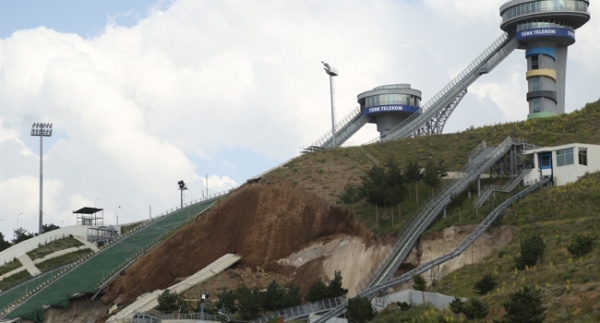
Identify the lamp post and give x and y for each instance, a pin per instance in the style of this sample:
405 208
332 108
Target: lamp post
41 130
181 188
191 196
203 298
117 214
332 72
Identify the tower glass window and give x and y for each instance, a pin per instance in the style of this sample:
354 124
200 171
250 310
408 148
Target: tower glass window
536 105
535 62
564 157
535 83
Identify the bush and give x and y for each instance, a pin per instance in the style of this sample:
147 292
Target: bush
169 302
486 284
335 286
456 306
475 309
316 291
360 310
580 245
525 305
419 283
532 250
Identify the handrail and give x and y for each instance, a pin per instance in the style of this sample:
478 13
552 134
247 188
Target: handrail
302 310
427 213
373 291
354 114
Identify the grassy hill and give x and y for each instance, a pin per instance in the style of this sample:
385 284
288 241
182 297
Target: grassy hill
571 284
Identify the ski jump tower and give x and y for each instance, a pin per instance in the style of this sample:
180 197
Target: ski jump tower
545 29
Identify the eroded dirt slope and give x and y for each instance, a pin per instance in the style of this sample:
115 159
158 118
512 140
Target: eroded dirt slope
262 222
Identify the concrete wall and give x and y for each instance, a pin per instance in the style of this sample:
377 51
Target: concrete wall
24 247
414 298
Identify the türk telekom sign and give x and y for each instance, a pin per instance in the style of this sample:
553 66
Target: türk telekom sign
391 108
545 32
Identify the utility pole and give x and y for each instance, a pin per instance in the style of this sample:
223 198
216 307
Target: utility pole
41 130
332 72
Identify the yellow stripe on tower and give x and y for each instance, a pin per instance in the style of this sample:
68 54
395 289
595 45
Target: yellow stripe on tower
541 72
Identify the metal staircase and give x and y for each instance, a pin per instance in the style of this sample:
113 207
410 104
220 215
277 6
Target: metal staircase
481 228
440 103
429 212
508 187
344 129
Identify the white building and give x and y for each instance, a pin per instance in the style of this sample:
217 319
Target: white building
565 164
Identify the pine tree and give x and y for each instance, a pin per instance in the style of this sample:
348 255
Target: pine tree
335 286
360 310
524 306
532 250
486 284
316 291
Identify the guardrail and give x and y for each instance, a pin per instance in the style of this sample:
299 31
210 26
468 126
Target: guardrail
509 186
303 310
426 214
354 114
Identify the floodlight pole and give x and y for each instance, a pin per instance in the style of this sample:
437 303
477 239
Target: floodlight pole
332 72
181 189
41 130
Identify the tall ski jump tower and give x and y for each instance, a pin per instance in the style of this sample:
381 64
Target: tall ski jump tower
545 29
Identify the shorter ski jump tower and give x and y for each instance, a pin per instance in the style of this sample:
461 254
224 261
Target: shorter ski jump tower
543 28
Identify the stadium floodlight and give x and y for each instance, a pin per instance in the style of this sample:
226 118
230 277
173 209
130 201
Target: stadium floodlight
203 297
332 72
181 188
41 130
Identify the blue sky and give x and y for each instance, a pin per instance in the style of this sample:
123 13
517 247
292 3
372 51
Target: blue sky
144 93
86 18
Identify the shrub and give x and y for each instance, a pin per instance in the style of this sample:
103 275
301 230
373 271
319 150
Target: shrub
486 284
580 245
532 250
360 310
525 305
419 283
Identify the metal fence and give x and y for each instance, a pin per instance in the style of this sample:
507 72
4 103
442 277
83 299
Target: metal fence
302 310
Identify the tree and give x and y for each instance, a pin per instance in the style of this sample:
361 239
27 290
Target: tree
335 286
226 299
3 243
249 302
486 284
419 283
475 309
316 291
373 185
21 235
430 176
524 306
360 310
456 306
274 297
349 195
413 175
532 250
49 227
169 302
293 297
580 245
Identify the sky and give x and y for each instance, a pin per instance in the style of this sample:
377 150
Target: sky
142 93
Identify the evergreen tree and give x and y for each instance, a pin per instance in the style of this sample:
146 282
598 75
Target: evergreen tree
335 286
349 195
49 227
3 243
274 297
419 283
317 291
373 185
360 310
580 245
475 309
250 301
413 175
226 299
168 302
22 235
486 284
293 297
456 306
524 306
532 250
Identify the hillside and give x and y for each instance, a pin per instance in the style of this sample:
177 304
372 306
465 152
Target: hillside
262 222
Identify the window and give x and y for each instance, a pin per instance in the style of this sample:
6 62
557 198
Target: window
535 83
535 62
583 156
536 105
564 157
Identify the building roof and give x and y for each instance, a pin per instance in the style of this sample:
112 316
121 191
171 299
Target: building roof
554 148
87 210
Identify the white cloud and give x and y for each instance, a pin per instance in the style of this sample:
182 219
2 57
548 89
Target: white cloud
135 109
